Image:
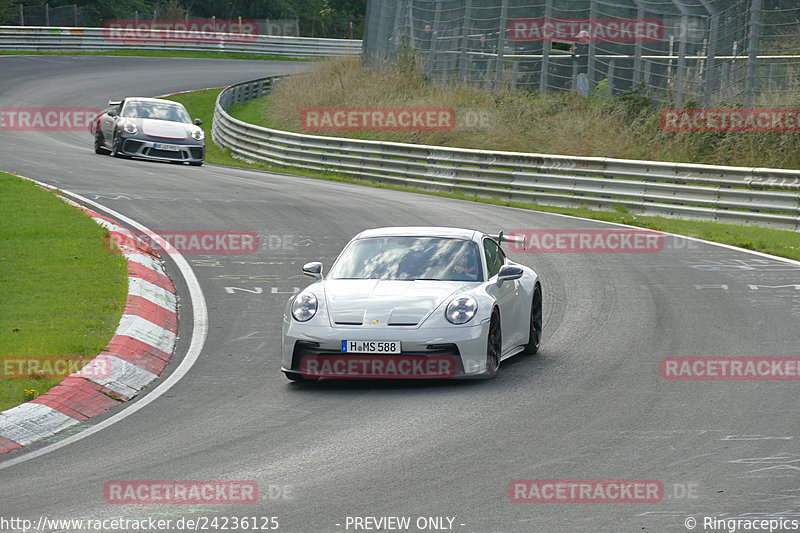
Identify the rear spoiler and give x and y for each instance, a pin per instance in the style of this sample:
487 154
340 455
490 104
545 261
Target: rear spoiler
500 238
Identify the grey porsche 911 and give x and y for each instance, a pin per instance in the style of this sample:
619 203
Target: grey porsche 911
149 128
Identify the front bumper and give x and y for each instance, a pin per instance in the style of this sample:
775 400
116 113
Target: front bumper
312 352
188 152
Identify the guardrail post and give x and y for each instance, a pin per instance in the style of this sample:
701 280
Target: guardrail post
501 43
711 70
433 63
684 35
574 75
610 84
463 59
592 48
637 51
546 47
751 81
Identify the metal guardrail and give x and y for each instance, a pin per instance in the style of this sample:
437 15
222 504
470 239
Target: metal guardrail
769 197
66 39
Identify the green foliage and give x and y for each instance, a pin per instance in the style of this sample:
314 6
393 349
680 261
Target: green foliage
318 18
7 12
636 101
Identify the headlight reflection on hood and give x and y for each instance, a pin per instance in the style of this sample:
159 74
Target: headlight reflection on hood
304 307
461 309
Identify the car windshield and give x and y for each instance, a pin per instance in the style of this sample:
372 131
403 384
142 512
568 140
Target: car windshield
409 258
158 111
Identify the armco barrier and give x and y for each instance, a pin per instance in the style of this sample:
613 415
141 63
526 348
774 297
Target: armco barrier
769 197
40 38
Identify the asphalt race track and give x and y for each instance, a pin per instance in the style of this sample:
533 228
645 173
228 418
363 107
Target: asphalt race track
591 405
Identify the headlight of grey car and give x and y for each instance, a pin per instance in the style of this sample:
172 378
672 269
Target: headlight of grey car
198 134
304 307
461 309
130 127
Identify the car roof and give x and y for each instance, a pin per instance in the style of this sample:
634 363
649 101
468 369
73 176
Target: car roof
150 100
421 231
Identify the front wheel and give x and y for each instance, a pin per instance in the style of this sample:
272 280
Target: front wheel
535 334
494 345
116 149
99 147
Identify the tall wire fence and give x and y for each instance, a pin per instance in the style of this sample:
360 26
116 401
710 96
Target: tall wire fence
45 15
687 52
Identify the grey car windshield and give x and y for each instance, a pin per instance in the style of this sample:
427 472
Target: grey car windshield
409 258
174 113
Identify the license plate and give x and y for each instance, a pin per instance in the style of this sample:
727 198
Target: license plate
391 347
167 147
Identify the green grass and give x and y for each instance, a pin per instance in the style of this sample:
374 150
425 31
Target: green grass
782 243
159 53
62 292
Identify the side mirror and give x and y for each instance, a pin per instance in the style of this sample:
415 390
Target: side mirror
314 269
198 122
112 113
508 273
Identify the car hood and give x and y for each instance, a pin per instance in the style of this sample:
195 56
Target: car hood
389 302
165 129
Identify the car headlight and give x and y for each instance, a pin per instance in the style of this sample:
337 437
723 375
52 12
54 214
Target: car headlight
198 134
130 127
461 309
304 307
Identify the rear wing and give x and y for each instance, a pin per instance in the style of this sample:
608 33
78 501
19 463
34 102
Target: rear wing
501 237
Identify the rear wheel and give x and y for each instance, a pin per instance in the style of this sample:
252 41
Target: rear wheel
494 344
535 334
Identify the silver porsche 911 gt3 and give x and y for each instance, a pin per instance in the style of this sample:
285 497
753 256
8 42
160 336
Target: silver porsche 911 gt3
414 303
149 128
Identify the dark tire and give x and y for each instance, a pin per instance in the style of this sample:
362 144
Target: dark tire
99 148
494 345
195 163
116 149
535 334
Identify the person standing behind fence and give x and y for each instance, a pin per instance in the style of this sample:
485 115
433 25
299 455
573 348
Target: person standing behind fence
580 50
482 62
